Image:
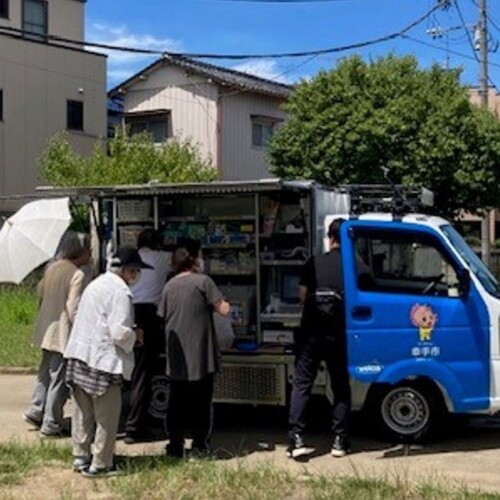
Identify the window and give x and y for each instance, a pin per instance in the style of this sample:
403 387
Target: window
262 130
74 115
4 8
155 124
35 19
1 105
411 263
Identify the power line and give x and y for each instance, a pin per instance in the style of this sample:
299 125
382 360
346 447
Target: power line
493 22
444 49
462 20
17 33
455 53
490 19
471 43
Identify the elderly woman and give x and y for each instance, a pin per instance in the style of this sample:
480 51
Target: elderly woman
60 290
188 302
100 357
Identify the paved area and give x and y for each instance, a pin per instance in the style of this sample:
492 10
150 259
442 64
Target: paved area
469 456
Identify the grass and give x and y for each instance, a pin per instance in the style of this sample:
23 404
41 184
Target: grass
18 460
18 308
159 478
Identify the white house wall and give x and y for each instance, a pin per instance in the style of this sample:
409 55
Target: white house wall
191 100
239 159
37 80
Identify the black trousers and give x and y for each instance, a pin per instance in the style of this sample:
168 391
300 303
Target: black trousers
309 355
146 363
190 409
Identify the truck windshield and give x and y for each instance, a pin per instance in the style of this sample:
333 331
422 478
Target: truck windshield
475 264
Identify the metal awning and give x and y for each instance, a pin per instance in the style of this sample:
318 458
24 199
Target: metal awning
201 188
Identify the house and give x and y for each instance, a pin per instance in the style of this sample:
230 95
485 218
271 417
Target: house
471 224
229 114
49 83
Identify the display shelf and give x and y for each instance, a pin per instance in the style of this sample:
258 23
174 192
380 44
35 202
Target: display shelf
134 209
207 218
271 263
227 246
149 221
128 233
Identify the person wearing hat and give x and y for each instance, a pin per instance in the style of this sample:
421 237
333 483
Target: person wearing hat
100 357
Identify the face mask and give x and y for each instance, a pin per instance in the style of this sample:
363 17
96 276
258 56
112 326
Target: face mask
200 267
133 281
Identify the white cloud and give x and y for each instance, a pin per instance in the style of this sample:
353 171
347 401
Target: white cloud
122 65
265 68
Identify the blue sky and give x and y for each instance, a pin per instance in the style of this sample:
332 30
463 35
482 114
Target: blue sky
262 27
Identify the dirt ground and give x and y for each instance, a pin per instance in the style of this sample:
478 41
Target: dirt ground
468 456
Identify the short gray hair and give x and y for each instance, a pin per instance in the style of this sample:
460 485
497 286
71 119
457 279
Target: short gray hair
73 245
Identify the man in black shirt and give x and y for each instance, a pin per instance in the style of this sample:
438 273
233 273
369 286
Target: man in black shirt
321 337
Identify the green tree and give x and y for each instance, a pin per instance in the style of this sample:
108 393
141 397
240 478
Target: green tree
346 123
130 160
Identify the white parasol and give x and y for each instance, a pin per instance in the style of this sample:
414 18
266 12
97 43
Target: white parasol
31 237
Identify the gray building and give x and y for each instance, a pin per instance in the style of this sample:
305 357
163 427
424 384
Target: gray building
47 86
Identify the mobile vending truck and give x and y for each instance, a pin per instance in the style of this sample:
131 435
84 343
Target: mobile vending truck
422 310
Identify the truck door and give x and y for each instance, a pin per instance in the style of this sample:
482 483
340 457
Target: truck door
405 315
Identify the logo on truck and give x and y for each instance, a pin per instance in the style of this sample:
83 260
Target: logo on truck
423 317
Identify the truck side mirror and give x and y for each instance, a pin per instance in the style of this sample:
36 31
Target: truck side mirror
464 282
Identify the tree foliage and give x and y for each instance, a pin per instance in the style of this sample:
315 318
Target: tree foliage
346 123
129 160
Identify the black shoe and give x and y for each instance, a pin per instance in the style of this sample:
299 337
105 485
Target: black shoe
63 433
340 447
142 437
297 448
32 421
130 439
200 454
174 451
94 472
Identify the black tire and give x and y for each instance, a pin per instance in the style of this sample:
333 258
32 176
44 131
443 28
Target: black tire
409 412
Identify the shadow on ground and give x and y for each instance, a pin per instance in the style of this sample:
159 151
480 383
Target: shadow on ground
242 430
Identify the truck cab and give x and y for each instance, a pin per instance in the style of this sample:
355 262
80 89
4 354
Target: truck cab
422 322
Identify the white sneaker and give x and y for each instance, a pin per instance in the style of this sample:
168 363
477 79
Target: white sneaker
340 447
298 448
81 463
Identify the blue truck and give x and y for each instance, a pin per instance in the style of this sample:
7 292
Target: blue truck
423 311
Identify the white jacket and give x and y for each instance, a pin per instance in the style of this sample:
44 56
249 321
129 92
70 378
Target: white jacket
103 335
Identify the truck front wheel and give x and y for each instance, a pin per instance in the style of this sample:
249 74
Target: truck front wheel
409 411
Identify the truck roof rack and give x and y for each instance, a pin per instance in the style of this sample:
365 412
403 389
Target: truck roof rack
386 198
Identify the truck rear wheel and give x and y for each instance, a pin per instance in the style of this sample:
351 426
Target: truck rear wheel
408 412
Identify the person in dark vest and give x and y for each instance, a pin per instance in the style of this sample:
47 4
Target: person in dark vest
321 337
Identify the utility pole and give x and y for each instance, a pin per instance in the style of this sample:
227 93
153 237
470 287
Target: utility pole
483 93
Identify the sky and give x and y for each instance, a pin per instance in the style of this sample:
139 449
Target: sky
284 26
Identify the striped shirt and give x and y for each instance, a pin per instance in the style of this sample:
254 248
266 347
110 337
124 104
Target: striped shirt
93 382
